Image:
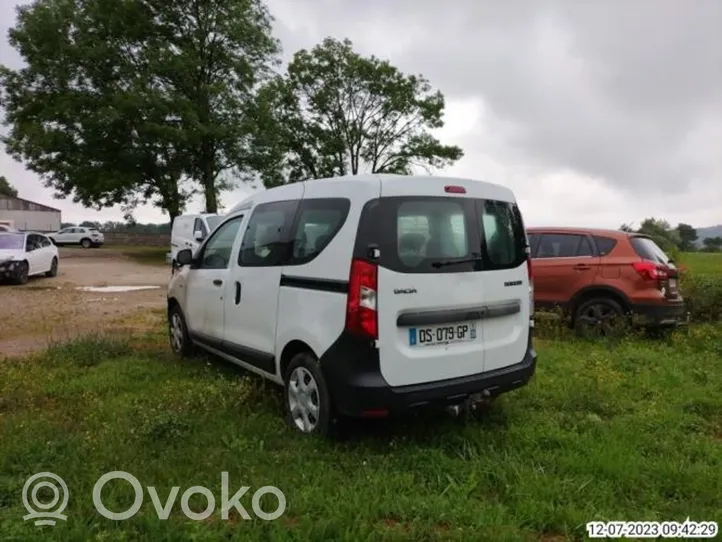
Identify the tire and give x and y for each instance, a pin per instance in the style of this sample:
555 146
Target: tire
308 406
86 243
180 341
598 317
53 271
22 275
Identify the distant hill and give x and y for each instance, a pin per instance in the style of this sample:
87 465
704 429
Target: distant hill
712 231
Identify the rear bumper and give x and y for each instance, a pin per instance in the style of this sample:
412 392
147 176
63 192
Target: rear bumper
673 314
352 371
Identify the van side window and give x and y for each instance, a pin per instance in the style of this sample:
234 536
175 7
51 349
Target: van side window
503 234
319 220
217 251
266 239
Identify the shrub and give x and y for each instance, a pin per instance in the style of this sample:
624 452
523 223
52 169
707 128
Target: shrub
703 295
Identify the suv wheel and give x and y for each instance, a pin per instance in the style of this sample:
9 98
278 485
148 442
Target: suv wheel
86 243
307 401
598 317
180 342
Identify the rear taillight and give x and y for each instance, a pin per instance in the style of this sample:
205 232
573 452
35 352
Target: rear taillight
650 270
361 315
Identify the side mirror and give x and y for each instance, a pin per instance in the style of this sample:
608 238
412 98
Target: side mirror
198 235
184 257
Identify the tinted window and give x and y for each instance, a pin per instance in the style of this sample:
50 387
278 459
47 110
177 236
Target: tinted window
213 221
217 251
429 231
585 247
503 233
648 250
44 241
265 242
559 245
319 220
32 242
604 245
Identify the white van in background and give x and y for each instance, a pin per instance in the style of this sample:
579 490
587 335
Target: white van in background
190 230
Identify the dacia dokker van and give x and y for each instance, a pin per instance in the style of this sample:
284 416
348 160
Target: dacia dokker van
365 296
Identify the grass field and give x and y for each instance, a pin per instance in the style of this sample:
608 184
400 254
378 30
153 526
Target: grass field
142 254
704 263
623 430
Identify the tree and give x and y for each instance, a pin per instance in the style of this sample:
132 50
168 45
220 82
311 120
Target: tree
212 56
626 228
661 232
128 102
6 189
687 236
713 244
335 112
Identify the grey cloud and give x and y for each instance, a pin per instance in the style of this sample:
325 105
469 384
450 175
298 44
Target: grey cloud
611 89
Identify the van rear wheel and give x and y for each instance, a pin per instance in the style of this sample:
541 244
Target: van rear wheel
308 404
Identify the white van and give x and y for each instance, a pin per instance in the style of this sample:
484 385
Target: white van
365 296
190 230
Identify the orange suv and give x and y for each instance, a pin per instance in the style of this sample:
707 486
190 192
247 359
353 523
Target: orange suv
598 276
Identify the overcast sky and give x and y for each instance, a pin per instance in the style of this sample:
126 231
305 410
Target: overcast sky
595 112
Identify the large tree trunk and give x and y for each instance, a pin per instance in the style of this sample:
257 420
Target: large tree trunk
208 178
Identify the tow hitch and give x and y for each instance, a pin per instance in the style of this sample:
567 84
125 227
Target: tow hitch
476 402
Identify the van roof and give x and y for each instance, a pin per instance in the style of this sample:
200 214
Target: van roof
385 179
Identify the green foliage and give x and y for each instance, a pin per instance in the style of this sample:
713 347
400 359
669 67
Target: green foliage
6 189
661 232
687 237
122 102
712 244
703 296
623 431
336 112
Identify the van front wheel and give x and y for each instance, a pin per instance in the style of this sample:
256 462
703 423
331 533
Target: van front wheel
308 404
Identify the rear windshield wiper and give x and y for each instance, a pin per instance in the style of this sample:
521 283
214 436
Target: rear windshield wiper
475 257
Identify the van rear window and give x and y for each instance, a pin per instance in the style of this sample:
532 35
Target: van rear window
443 234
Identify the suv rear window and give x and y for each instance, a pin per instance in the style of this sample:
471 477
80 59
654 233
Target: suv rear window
442 234
647 249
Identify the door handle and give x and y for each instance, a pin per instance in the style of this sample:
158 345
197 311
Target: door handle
582 267
217 282
238 292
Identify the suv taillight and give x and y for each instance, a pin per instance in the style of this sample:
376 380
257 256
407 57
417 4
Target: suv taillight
651 271
361 315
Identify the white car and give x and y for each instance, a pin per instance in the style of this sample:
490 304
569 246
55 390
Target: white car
77 235
365 296
189 231
23 255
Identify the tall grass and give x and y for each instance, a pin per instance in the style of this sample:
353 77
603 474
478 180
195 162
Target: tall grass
629 430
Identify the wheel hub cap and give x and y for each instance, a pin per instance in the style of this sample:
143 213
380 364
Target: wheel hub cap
303 399
176 332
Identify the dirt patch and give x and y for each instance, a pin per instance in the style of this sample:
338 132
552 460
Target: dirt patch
49 310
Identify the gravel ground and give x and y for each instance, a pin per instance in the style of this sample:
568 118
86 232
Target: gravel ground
51 309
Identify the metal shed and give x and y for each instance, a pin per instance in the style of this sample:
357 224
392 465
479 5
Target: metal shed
26 215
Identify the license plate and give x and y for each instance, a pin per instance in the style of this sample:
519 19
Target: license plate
441 335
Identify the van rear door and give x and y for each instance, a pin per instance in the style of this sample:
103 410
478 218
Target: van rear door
445 308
